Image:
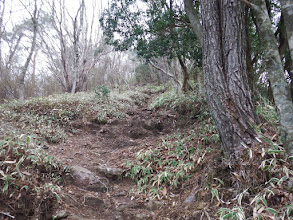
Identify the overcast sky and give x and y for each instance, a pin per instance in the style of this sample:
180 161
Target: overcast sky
18 10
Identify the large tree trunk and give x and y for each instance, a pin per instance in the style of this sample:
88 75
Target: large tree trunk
225 76
275 72
234 48
287 12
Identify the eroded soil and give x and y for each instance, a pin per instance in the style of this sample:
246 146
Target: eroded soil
109 145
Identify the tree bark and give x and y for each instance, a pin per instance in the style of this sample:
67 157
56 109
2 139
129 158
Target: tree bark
275 72
194 19
185 85
248 53
76 46
234 48
287 13
13 51
225 75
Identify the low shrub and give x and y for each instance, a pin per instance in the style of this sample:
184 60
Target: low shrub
29 178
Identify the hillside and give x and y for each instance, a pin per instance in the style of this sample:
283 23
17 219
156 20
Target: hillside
149 153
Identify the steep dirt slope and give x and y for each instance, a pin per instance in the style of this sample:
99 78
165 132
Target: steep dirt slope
97 146
200 183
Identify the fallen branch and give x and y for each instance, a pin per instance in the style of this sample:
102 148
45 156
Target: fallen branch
7 214
167 73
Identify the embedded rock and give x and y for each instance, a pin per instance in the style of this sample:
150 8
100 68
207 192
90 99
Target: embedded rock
110 172
117 215
190 199
88 180
93 202
61 215
153 205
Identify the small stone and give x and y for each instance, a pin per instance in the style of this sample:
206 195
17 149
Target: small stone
120 194
143 216
45 147
94 202
61 215
110 171
190 198
102 131
117 215
130 205
114 122
200 205
92 126
73 217
153 205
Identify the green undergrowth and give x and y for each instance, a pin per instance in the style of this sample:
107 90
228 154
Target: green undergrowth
132 97
268 114
257 186
29 179
155 89
190 105
265 178
158 169
49 118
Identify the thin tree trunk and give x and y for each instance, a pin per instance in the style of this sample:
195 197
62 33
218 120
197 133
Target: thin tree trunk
185 86
194 19
2 28
166 73
196 26
275 72
33 76
287 12
76 45
13 51
32 49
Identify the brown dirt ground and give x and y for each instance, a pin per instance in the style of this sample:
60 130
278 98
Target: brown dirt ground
90 145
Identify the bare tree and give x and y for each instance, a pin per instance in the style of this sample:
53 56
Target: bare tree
115 69
34 20
11 36
168 68
72 45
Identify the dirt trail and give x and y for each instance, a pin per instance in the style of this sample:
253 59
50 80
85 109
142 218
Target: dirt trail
93 146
